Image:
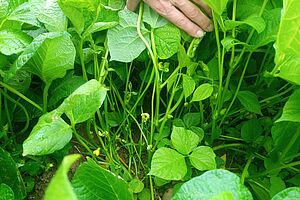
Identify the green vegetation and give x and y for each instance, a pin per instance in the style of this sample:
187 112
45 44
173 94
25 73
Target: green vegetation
137 109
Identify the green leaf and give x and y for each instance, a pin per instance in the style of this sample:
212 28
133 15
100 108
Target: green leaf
168 164
10 175
255 21
60 186
292 193
203 92
153 18
184 140
203 158
136 185
251 130
82 104
192 119
291 110
167 41
6 193
217 5
277 185
81 13
288 43
91 182
213 184
62 88
124 42
249 101
272 20
188 85
99 26
24 14
49 13
13 42
50 134
49 56
286 137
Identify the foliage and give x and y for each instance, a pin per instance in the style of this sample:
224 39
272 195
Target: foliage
153 111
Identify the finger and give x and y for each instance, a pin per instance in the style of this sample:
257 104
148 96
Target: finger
194 14
132 4
169 11
203 5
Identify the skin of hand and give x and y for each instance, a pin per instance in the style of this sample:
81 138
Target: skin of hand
183 13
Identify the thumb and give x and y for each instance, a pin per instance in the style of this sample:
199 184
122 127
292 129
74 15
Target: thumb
132 4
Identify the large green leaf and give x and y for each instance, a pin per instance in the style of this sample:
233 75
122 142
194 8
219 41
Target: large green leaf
6 193
214 184
167 41
203 92
51 133
13 42
291 110
81 13
188 85
60 186
91 182
286 137
153 18
249 101
82 104
203 158
124 42
168 164
10 175
24 14
217 5
288 43
184 140
255 21
251 130
49 56
288 194
49 13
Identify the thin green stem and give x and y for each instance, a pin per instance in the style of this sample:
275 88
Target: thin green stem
9 88
45 97
81 56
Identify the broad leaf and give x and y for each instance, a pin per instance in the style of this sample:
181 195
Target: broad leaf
203 92
255 21
249 101
124 42
291 110
49 13
60 186
203 158
24 14
82 104
13 42
288 43
214 184
184 140
49 56
6 193
251 130
276 185
81 13
91 182
217 5
188 85
50 134
10 175
167 41
288 194
286 137
168 164
153 18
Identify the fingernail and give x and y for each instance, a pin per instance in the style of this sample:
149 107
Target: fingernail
210 27
200 33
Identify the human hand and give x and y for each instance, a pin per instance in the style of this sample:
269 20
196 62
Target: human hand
183 13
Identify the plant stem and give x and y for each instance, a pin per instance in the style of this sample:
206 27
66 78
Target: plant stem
45 97
81 56
21 95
